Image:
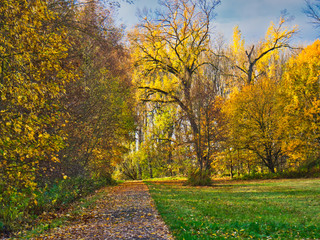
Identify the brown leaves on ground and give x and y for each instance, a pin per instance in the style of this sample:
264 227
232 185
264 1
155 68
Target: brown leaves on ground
126 212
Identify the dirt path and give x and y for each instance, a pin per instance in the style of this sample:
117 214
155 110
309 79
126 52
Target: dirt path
127 212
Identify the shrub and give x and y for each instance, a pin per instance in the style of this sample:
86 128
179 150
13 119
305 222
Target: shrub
66 191
19 207
199 178
299 173
14 206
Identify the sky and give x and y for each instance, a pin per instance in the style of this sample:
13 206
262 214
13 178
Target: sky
252 16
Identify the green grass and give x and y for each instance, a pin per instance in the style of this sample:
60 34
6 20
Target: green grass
164 179
270 209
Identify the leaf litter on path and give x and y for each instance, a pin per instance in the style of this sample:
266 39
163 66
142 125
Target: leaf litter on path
126 212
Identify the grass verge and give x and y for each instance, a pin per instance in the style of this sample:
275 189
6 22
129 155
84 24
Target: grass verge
75 211
269 209
20 209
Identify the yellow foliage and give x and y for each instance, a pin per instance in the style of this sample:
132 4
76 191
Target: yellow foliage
253 117
238 42
262 59
301 87
32 78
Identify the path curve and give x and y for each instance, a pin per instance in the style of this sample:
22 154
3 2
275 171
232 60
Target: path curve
127 212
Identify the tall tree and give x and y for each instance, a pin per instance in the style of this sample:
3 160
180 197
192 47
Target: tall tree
99 103
302 104
245 60
174 43
33 75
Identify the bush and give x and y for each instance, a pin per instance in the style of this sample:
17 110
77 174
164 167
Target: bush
19 207
199 178
14 206
291 174
66 191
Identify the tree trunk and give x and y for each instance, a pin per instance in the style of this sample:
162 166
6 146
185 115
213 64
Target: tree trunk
231 170
250 72
139 172
139 141
170 161
186 82
270 164
150 168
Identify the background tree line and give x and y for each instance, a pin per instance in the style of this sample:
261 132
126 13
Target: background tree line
210 107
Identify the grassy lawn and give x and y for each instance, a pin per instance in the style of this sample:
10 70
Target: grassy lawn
269 209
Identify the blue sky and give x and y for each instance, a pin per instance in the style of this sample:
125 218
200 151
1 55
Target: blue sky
252 16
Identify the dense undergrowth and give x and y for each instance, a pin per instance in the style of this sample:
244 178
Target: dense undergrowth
298 173
22 213
205 178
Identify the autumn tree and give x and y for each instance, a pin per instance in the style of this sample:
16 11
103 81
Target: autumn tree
159 144
65 101
252 111
99 104
33 75
301 104
254 116
246 60
173 44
